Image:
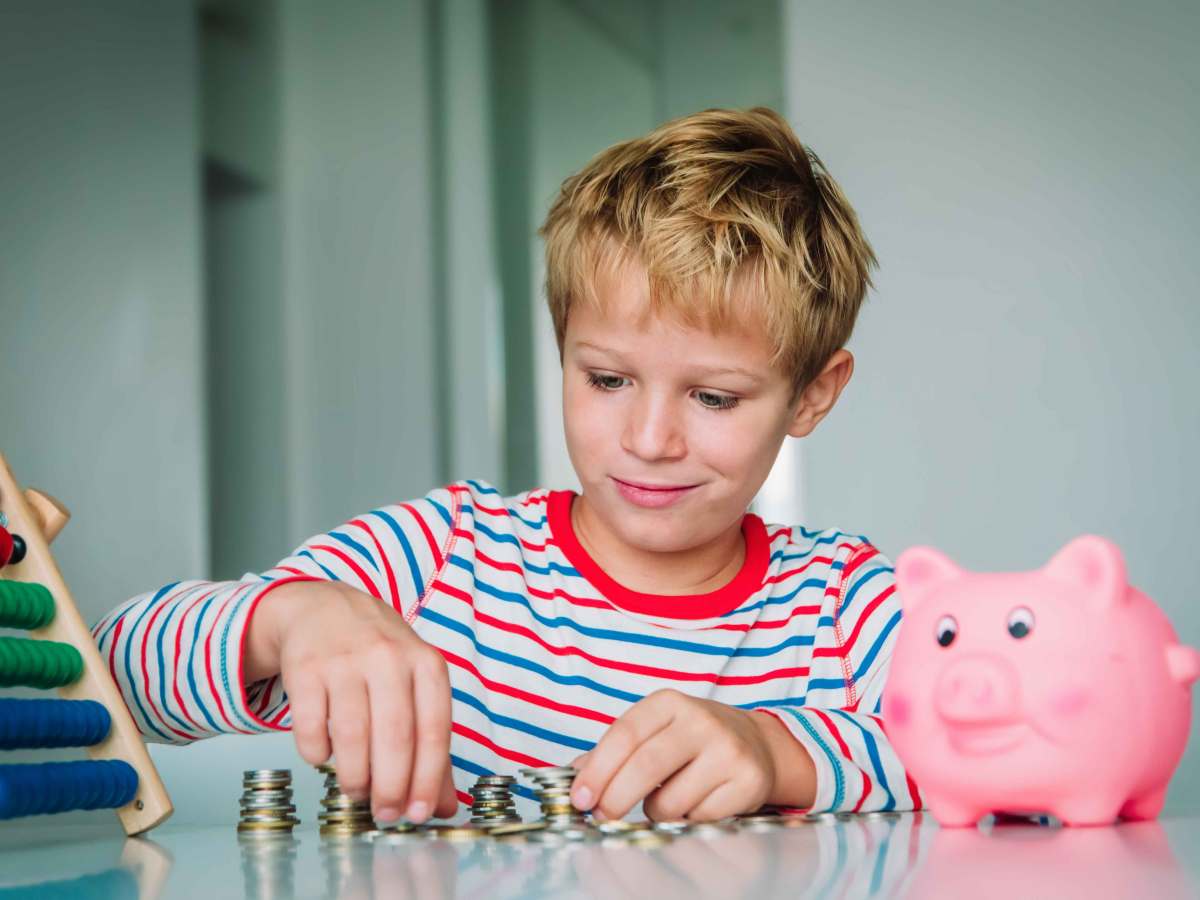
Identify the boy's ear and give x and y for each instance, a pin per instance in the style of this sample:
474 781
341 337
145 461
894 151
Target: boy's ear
820 394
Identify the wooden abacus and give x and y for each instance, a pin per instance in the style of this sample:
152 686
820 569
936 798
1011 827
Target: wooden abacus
60 653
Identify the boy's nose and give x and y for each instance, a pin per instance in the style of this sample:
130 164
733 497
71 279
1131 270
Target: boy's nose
653 432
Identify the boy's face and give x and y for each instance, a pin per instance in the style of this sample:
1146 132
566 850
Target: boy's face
672 430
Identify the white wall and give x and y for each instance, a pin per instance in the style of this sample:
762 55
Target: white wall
101 393
1027 367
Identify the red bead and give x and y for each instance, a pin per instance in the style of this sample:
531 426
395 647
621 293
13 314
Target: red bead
6 546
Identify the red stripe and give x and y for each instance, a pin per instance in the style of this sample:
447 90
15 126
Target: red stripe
652 671
845 649
538 548
775 579
387 564
464 797
534 699
544 595
179 654
295 571
212 685
429 539
913 792
511 755
162 719
771 623
787 531
857 558
837 736
112 649
534 501
490 510
266 696
354 567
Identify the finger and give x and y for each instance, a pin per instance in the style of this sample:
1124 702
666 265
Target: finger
683 791
349 726
652 763
447 804
309 707
390 694
639 723
431 696
726 799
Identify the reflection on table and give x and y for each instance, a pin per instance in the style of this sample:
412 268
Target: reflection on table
859 857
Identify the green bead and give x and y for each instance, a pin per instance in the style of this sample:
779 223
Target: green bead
25 605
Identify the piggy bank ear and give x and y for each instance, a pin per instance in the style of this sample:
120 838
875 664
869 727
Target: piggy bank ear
918 569
1093 564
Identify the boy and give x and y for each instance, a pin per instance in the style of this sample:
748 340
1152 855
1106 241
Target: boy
703 280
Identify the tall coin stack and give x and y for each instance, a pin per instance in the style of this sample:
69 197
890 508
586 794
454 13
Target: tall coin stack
492 801
554 793
339 814
267 806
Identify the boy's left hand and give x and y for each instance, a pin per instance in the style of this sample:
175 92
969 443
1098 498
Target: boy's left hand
685 757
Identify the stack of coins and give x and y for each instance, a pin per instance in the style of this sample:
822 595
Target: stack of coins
492 801
341 816
554 793
267 806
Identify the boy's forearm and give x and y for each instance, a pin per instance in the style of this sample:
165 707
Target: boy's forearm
795 773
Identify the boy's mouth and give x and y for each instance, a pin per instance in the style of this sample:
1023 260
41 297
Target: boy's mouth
651 496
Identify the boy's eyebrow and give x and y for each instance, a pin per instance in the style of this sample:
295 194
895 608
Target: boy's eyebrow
714 370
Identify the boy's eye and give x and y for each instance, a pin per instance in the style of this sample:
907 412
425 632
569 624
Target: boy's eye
604 382
716 401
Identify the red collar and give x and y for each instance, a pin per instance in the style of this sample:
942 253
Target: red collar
679 606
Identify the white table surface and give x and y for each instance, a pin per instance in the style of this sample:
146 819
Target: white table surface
908 856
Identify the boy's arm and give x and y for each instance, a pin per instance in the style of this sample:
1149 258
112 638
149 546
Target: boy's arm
839 726
178 654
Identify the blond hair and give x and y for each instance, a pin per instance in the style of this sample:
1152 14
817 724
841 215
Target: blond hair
731 216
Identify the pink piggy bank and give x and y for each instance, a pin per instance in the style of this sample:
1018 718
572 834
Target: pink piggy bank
1063 690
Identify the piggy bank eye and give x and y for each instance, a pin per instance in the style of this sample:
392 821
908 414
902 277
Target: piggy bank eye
1020 622
946 630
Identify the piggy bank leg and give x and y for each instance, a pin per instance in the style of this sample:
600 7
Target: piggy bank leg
953 813
1089 810
1148 806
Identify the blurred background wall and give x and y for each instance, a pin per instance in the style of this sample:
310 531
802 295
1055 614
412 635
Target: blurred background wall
266 264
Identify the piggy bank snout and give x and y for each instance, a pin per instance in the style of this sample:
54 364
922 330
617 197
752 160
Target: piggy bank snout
977 689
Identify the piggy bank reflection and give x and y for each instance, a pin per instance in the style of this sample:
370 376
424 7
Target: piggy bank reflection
1130 860
1061 690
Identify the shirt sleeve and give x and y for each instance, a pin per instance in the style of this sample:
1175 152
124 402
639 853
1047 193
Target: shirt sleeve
176 653
839 723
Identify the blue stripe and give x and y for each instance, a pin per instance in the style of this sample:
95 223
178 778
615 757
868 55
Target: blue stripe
362 551
494 535
828 539
224 662
128 666
800 640
446 622
463 563
782 598
536 526
191 668
865 666
859 582
441 511
414 570
328 572
481 488
839 787
873 753
467 766
881 860
162 668
119 616
518 725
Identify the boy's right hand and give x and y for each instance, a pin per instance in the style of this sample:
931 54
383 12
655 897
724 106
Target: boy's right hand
363 686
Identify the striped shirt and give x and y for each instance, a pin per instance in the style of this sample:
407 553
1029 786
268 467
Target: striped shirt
544 649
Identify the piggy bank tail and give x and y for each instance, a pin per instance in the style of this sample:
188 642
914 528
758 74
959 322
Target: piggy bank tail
1183 663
